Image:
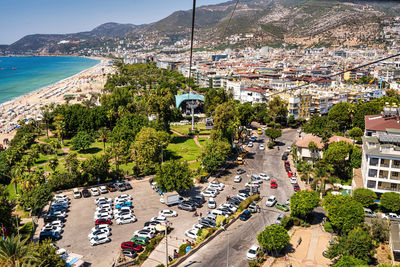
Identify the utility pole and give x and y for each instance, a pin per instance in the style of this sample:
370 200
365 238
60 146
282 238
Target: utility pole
166 244
227 251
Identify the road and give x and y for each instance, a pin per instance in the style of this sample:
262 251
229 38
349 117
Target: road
230 248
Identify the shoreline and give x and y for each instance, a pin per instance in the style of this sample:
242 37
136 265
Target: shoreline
28 106
51 84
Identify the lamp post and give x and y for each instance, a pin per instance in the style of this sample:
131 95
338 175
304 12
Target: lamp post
167 223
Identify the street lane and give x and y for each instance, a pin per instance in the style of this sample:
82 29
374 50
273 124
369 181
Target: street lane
232 245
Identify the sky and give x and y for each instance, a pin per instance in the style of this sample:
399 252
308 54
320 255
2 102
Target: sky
22 17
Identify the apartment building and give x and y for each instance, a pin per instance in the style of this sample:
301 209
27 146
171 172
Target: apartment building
298 104
381 151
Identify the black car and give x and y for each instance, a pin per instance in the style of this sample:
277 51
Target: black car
49 235
127 186
50 218
186 206
86 193
120 187
226 210
245 215
240 171
284 157
245 191
234 202
198 198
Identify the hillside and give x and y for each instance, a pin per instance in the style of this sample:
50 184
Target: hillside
266 22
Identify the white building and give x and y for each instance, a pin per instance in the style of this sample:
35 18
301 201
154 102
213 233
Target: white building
381 152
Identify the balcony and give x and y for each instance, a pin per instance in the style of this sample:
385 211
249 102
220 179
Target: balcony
385 165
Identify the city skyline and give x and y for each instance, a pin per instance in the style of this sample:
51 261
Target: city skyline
44 17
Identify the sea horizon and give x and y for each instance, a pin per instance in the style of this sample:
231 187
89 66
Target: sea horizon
22 75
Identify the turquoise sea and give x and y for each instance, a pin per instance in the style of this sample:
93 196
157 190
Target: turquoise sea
22 75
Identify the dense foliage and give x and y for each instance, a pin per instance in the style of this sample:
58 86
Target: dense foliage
273 238
303 202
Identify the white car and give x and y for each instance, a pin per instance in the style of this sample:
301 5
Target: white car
208 193
103 189
126 219
102 211
263 176
261 147
250 144
252 184
293 180
242 196
216 183
211 203
99 239
101 226
158 219
271 201
124 214
264 128
198 226
52 228
62 201
252 253
123 198
168 213
57 223
95 191
103 200
192 233
105 216
104 231
61 198
147 233
104 206
288 149
237 179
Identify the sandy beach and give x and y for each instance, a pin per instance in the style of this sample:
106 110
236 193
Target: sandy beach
80 86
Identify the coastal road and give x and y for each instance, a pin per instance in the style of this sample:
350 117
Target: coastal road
230 247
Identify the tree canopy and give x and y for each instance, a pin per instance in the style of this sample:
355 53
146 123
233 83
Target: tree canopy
273 237
303 202
365 196
174 176
81 141
391 201
341 114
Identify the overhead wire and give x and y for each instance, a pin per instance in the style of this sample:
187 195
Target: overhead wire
230 19
191 40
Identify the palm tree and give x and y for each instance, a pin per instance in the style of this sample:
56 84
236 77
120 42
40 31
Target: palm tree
306 171
14 252
53 163
313 147
59 123
103 136
16 176
322 174
46 117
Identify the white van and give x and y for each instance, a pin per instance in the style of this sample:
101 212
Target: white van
77 194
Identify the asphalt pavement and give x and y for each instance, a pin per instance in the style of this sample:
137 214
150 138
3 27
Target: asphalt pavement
230 247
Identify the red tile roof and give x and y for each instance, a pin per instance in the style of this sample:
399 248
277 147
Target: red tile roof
378 123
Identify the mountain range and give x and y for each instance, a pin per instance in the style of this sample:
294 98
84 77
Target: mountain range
267 22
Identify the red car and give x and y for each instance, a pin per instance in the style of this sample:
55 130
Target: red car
132 246
296 187
290 174
102 221
287 163
274 185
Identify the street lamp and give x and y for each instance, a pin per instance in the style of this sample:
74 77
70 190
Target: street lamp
167 223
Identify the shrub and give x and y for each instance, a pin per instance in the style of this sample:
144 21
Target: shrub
270 145
328 227
247 202
182 249
221 220
160 265
287 222
204 235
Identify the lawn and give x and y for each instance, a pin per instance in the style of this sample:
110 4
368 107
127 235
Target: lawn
11 192
203 141
183 148
184 129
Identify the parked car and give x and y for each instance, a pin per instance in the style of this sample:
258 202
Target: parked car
252 184
207 222
250 144
123 198
252 253
140 240
245 215
102 221
51 218
211 203
279 219
103 200
95 191
103 231
242 196
129 245
296 187
129 253
151 224
103 215
123 209
120 187
111 188
127 186
159 219
253 138
293 180
369 213
52 228
99 239
61 197
49 235
59 213
103 189
57 223
237 179
77 194
168 213
192 233
123 204
271 201
281 206
231 207
128 218
144 233
86 193
240 171
122 214
284 157
209 193
273 184
101 226
185 205
263 176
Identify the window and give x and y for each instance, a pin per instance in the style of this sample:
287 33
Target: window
372 173
373 162
371 184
